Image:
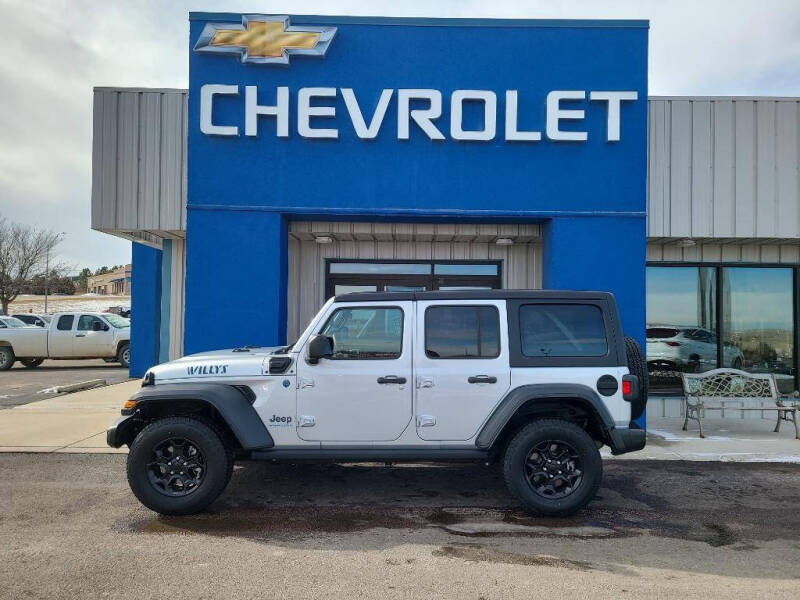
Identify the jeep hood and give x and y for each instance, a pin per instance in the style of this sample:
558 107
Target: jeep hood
234 362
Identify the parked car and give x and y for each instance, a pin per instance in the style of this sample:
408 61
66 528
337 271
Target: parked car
536 381
69 335
688 349
39 320
10 322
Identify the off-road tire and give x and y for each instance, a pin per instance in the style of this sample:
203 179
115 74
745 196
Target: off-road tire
7 358
637 366
124 355
31 363
209 440
525 441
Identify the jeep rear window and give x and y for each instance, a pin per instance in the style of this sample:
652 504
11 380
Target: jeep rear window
562 330
462 332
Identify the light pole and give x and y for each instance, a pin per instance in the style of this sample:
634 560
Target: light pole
47 268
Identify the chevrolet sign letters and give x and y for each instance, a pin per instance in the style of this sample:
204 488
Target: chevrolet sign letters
271 39
308 108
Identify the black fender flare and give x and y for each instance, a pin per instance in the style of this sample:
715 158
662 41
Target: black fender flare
514 399
230 403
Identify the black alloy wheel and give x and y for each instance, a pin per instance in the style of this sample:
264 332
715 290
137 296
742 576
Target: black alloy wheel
554 469
177 467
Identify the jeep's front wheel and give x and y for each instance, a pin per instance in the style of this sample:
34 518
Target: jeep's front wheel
552 467
178 466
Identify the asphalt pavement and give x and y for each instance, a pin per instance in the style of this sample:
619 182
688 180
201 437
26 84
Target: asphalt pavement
70 528
21 385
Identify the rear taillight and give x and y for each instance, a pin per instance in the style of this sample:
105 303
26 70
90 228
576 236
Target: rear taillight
630 388
673 344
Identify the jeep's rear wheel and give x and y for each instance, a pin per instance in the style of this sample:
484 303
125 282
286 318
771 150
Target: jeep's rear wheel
178 465
552 467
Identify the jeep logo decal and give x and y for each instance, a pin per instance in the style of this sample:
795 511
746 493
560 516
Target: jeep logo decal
208 370
278 421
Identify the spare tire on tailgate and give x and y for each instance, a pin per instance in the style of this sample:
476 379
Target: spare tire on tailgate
637 366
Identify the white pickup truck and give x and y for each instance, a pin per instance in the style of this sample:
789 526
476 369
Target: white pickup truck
70 335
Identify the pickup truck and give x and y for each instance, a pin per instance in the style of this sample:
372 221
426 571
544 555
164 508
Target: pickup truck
70 335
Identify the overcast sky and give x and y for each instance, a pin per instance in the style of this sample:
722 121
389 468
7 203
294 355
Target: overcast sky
54 52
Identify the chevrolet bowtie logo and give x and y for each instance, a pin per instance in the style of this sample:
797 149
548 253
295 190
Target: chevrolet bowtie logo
263 39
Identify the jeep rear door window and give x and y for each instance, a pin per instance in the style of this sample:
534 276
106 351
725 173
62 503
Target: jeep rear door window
562 330
366 333
462 332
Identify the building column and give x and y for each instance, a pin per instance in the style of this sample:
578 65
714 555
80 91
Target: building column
146 304
164 301
606 254
221 248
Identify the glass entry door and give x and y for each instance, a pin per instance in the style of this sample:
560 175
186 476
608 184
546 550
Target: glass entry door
343 276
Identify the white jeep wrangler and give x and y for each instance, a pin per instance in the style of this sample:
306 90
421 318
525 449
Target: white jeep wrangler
535 380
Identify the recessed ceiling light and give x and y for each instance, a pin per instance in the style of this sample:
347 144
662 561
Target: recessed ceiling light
323 239
686 243
504 241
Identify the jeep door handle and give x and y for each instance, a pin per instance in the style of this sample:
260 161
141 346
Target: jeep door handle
391 379
481 379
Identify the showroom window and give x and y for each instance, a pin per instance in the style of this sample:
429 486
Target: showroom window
343 276
704 317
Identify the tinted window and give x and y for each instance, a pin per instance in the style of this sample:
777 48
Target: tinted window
86 323
462 332
758 322
562 330
65 322
681 322
366 333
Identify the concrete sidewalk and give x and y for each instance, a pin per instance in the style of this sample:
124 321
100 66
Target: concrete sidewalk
728 440
68 423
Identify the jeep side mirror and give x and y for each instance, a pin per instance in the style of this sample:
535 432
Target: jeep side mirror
319 346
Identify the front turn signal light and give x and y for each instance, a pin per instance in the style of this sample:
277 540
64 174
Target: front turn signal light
129 404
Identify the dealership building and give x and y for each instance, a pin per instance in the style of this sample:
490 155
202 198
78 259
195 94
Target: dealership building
316 155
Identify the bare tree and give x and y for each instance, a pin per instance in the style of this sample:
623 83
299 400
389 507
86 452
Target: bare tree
23 255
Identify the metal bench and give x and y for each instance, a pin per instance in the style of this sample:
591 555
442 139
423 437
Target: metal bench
730 389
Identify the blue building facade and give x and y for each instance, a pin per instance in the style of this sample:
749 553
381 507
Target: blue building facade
428 120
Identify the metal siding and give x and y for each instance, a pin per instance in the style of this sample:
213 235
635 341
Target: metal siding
680 156
702 192
730 251
724 168
522 262
788 166
139 161
766 213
